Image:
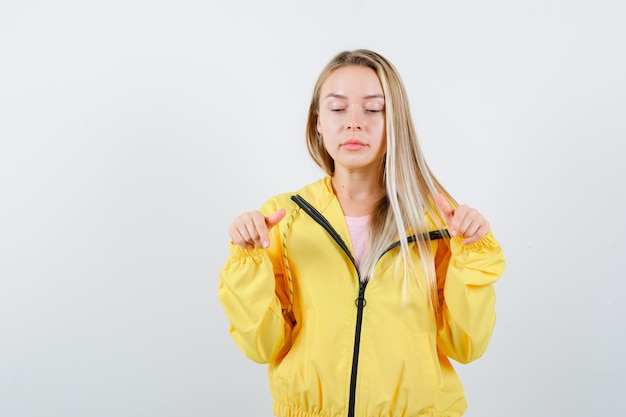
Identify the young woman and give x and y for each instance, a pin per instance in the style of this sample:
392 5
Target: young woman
357 289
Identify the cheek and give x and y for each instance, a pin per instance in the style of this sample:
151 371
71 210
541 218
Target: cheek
380 128
328 124
320 124
383 145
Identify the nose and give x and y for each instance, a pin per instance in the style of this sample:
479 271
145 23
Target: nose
354 123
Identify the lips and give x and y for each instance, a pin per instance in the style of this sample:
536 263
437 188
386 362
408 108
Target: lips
353 145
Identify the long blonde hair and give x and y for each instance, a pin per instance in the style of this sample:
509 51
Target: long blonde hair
409 182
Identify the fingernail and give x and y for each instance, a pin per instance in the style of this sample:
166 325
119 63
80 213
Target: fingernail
266 244
452 232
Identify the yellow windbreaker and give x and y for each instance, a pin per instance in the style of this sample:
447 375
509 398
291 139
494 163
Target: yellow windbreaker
337 347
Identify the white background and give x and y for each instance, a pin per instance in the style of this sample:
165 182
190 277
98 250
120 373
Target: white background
133 132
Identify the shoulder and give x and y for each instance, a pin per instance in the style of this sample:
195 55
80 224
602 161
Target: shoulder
317 193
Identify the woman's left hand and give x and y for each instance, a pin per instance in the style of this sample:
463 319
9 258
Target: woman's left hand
463 221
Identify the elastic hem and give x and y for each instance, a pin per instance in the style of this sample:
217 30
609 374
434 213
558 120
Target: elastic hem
287 410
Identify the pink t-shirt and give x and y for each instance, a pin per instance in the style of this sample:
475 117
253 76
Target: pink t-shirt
359 235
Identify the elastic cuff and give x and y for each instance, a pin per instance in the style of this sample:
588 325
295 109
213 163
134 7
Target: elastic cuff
486 242
237 251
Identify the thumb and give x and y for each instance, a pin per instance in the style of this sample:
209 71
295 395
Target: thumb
275 218
444 205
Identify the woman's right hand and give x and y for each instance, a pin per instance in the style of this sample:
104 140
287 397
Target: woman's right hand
252 229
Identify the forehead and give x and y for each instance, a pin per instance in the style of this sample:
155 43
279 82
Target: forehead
352 80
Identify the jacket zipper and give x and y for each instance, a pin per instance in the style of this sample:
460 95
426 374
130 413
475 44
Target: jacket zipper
432 235
360 301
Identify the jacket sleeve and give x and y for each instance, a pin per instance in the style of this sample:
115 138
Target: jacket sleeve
465 276
252 293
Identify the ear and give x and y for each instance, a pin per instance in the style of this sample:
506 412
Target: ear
319 126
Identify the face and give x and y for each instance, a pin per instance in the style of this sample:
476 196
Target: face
351 118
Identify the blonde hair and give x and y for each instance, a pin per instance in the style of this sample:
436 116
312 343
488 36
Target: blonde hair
409 182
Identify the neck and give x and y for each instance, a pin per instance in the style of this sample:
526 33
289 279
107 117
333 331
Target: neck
357 191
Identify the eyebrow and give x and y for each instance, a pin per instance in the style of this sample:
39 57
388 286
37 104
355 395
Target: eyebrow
335 95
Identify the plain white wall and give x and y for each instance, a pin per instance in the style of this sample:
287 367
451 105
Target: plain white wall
133 132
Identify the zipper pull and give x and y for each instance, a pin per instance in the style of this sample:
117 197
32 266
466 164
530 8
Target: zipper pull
360 300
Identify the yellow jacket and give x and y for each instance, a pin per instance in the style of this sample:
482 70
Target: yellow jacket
336 347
